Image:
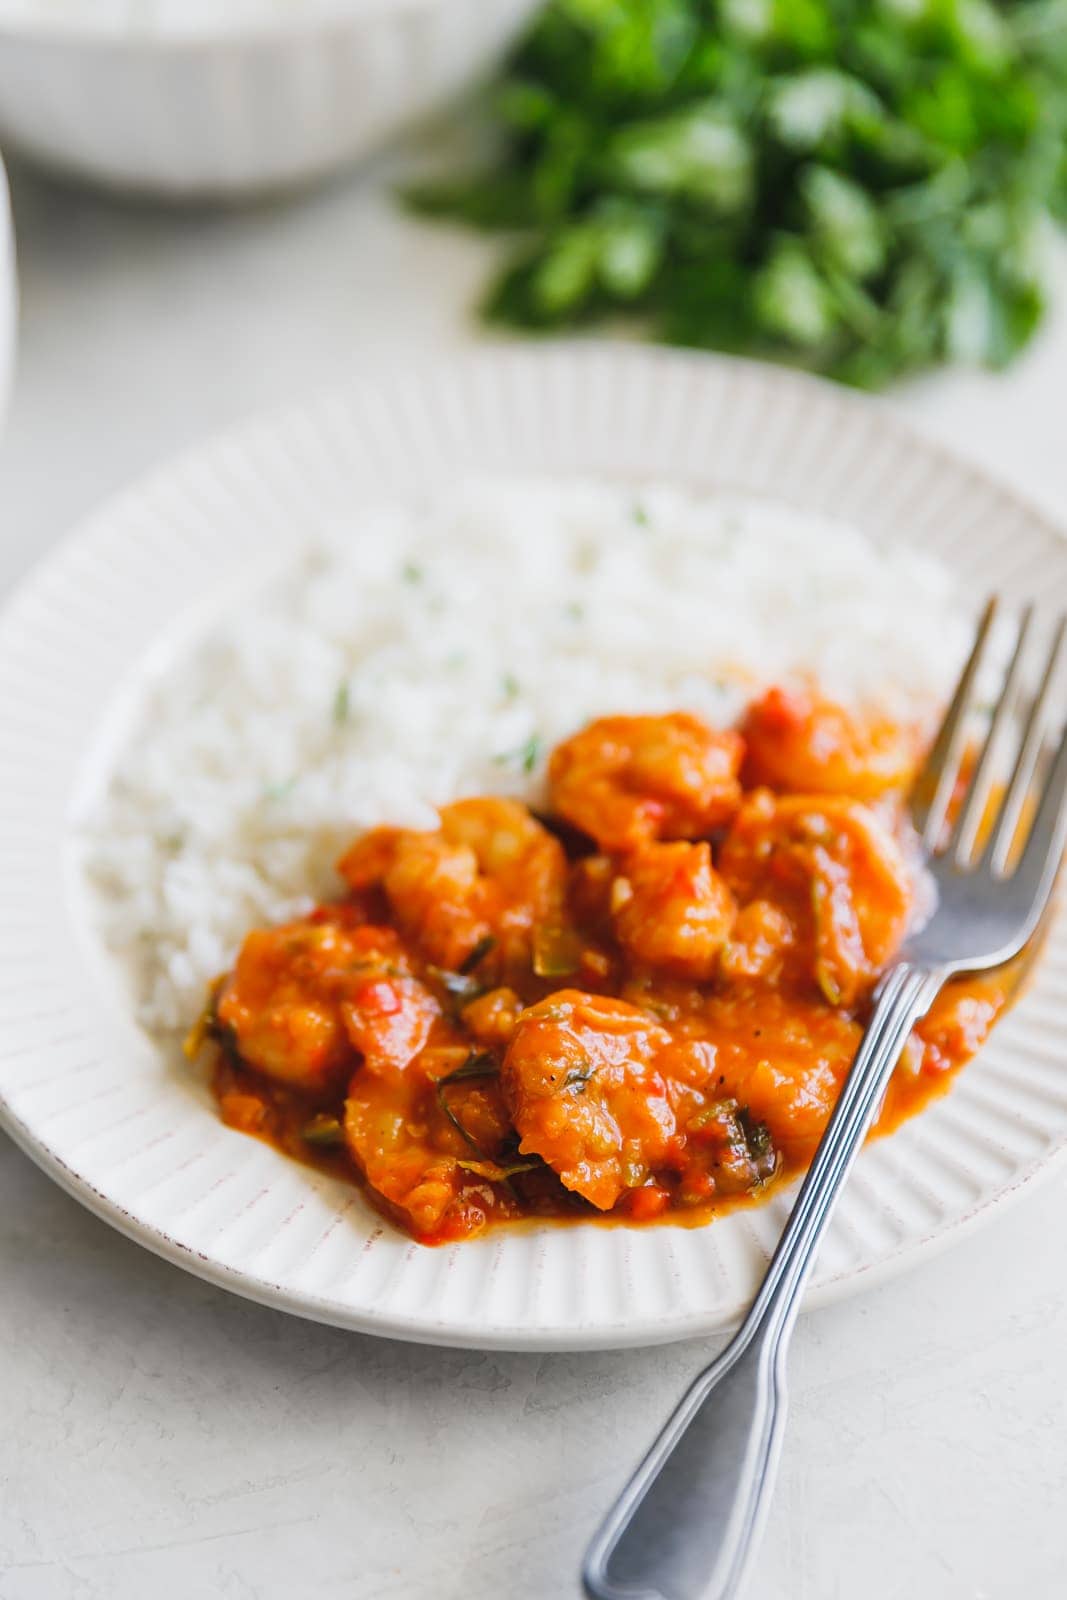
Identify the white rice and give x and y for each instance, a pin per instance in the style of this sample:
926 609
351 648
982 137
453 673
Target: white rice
419 655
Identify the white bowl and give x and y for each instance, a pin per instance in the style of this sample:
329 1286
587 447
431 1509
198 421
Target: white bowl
8 297
224 98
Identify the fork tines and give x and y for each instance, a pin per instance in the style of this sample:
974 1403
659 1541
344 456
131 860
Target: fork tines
995 804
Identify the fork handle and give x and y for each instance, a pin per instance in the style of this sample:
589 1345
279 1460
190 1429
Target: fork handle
688 1521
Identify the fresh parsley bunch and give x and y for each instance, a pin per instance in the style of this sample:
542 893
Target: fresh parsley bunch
860 186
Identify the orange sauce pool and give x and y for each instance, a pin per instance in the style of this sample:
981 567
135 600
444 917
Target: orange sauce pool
637 1005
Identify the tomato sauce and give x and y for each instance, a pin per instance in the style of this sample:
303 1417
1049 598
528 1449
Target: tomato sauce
639 1004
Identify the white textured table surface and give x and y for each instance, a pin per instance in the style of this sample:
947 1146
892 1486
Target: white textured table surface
158 1438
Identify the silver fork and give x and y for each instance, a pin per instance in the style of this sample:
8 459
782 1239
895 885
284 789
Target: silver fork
688 1521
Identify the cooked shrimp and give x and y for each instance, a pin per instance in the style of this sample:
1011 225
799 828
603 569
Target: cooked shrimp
304 998
282 1004
801 744
718 951
619 1106
490 872
388 1017
585 1095
411 1151
628 780
672 910
785 1061
837 874
759 942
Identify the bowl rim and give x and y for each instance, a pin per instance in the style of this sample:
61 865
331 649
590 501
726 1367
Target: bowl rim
165 26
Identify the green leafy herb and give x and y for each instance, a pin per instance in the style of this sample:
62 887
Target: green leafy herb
411 573
714 1111
479 1064
757 1135
472 962
578 1077
859 188
526 756
341 703
463 987
323 1130
276 792
498 1172
510 686
207 1025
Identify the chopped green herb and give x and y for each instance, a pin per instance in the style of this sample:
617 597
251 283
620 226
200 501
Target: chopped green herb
275 792
639 514
477 955
574 611
510 685
467 1138
341 703
463 987
411 573
206 1025
757 1134
497 1172
714 1111
578 1077
525 756
479 1064
323 1130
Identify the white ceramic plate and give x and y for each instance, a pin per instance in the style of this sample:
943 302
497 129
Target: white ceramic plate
137 1139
